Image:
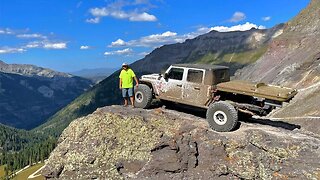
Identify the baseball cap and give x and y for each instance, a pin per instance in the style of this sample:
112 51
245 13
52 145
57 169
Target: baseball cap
124 64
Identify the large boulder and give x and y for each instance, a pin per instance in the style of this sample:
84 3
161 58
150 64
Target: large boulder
125 143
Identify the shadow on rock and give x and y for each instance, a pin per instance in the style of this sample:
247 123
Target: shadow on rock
278 124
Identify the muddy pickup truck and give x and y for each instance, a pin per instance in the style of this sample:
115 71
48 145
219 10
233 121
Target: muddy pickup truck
209 87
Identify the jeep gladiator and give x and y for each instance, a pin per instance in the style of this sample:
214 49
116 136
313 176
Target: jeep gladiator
209 87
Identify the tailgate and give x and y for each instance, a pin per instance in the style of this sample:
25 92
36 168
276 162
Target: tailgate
260 90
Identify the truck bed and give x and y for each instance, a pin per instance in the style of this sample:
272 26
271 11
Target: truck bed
260 90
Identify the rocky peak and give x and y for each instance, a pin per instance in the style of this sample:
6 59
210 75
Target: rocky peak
307 21
124 143
30 70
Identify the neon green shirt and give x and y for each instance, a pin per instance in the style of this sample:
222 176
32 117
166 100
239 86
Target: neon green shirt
126 77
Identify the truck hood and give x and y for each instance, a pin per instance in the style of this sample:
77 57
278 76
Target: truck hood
151 76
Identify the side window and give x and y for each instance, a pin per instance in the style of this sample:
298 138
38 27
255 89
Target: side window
221 74
195 76
176 73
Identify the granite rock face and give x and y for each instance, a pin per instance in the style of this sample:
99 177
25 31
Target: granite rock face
124 143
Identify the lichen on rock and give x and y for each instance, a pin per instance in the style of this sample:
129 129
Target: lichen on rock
124 143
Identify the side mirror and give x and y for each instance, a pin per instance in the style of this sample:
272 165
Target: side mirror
165 76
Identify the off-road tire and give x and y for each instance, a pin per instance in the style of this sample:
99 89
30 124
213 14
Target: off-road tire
143 96
222 116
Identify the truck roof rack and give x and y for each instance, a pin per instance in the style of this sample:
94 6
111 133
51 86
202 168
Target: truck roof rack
202 66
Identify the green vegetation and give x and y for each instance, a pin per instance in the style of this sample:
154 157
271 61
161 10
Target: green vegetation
244 58
19 148
27 172
2 171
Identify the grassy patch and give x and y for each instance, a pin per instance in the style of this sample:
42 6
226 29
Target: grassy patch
2 171
246 57
27 172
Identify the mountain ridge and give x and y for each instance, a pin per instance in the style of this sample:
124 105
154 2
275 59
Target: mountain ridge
30 94
30 70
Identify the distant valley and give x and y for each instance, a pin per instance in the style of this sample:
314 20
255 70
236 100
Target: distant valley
30 94
96 75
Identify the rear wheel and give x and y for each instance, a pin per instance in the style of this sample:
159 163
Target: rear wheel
222 116
143 96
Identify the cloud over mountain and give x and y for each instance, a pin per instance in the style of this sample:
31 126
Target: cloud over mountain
122 10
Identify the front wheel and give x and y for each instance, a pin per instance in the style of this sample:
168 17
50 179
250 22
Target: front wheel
143 96
222 116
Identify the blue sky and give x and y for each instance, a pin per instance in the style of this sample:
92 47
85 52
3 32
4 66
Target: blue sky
69 35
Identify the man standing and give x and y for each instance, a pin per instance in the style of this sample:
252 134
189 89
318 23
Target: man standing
126 83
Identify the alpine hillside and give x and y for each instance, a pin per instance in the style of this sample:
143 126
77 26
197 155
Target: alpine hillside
30 94
293 59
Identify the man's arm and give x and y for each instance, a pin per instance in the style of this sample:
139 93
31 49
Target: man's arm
137 82
120 83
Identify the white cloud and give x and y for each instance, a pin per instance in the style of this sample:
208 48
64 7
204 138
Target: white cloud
95 20
46 45
126 52
150 41
50 45
143 53
267 18
99 12
31 36
117 43
84 47
6 31
7 50
32 45
240 27
237 17
143 17
116 10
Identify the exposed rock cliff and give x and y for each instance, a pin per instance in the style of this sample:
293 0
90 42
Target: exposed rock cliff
124 143
293 59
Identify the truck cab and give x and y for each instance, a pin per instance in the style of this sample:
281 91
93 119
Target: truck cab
190 84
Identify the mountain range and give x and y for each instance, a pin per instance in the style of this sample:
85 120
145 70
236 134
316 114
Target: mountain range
30 94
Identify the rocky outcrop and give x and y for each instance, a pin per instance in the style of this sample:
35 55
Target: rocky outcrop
124 143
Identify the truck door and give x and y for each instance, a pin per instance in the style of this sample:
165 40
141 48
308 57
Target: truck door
195 92
172 89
